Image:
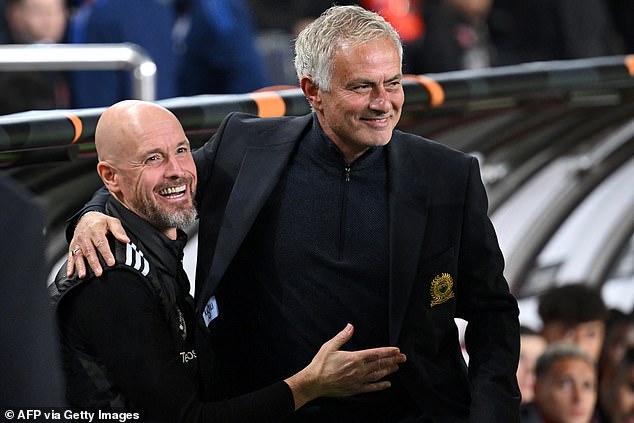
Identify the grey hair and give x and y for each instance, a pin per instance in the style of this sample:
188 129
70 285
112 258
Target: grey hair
338 26
560 351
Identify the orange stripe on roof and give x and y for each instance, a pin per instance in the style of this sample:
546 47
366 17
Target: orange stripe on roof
270 104
436 92
79 127
629 63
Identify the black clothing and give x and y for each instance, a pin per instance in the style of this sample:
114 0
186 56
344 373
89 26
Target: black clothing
29 361
311 266
127 336
444 263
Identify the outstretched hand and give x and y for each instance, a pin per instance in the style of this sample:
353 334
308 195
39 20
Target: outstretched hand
89 240
337 373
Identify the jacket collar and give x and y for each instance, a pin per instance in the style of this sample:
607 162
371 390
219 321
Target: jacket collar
162 252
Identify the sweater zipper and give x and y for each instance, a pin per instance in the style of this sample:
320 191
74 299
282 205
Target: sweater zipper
344 203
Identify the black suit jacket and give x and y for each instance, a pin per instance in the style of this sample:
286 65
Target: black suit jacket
445 262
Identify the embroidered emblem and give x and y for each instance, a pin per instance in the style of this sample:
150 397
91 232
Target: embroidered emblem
441 289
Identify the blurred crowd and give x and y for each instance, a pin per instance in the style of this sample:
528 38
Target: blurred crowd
578 367
237 46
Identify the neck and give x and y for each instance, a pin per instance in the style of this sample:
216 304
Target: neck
170 233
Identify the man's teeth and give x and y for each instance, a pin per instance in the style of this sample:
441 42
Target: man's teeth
173 191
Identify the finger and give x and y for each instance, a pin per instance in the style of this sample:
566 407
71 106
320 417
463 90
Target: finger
374 386
76 262
73 250
103 247
89 252
80 267
70 264
340 339
388 361
380 373
374 354
117 230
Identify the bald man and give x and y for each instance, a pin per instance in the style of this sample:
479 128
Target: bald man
127 334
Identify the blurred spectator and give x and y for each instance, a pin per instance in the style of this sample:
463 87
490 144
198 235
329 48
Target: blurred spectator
619 338
406 16
220 54
148 23
36 21
532 345
456 37
617 405
565 387
574 313
33 22
275 23
438 35
525 31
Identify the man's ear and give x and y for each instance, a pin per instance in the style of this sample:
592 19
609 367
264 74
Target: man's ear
108 175
311 92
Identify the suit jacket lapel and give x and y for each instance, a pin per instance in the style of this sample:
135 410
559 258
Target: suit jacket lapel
259 173
408 211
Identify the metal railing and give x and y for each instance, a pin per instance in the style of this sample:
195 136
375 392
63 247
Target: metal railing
61 57
425 95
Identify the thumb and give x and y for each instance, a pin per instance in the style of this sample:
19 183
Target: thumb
341 338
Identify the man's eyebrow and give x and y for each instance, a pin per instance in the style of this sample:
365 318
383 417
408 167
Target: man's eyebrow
368 81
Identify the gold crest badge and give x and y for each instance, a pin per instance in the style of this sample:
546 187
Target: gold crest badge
441 289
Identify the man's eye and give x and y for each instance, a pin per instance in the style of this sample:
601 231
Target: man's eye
153 159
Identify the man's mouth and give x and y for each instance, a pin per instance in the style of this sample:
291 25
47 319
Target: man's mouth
173 192
377 120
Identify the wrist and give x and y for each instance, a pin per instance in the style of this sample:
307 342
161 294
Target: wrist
304 388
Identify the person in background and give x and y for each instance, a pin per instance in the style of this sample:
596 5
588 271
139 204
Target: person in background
219 54
34 22
456 37
147 23
619 338
565 387
307 222
617 404
532 345
127 334
574 313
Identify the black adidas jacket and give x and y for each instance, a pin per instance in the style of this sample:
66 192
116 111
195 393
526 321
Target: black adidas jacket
127 338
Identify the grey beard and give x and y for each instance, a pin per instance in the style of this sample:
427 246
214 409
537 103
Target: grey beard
180 219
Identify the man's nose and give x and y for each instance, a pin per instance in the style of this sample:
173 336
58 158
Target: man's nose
380 100
173 167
